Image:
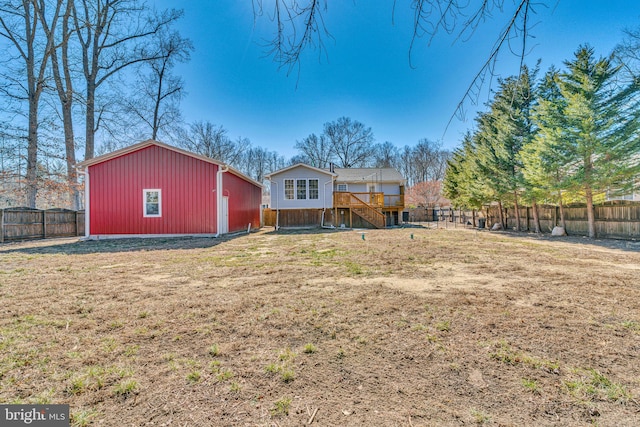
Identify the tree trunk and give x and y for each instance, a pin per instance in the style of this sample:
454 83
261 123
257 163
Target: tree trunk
90 121
34 89
536 218
70 151
65 95
32 152
517 208
590 214
67 111
563 224
35 85
156 107
588 193
502 216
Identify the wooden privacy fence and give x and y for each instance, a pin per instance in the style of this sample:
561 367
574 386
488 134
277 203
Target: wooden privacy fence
619 220
27 223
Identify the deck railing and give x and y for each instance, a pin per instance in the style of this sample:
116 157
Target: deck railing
394 200
342 199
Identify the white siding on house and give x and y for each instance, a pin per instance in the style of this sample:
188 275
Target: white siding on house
358 188
390 188
298 175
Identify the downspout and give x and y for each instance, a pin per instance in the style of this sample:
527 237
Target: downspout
219 190
87 210
276 199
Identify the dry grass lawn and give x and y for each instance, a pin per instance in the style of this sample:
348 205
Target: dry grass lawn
450 327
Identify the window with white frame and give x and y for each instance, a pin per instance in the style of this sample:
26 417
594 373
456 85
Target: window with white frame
301 189
288 189
152 203
342 187
313 189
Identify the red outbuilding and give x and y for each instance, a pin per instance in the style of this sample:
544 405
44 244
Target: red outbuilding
154 189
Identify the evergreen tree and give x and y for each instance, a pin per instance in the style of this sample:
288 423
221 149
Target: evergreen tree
544 168
461 182
600 125
502 132
488 167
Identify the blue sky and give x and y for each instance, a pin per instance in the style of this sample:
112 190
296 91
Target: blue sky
366 73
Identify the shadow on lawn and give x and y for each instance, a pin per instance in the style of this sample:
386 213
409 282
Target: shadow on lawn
74 246
609 243
320 230
71 246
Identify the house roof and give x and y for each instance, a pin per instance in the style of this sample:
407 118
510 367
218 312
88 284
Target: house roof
368 175
351 174
150 142
297 165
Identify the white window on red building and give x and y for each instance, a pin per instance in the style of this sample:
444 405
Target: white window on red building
152 203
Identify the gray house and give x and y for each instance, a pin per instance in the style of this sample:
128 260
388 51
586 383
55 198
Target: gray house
303 195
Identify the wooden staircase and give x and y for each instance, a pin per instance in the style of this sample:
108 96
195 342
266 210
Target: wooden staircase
367 212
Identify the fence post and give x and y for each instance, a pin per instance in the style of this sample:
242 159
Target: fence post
44 224
1 225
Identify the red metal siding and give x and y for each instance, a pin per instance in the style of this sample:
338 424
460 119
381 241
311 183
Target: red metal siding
187 184
244 202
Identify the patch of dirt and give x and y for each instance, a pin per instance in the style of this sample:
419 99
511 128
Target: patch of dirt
410 327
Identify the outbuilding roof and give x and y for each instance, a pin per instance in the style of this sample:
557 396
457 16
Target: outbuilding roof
151 142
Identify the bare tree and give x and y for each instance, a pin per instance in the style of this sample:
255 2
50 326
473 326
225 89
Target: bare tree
19 24
298 158
351 142
300 25
628 53
212 140
291 38
258 162
156 103
316 150
440 164
275 161
113 35
386 155
61 71
254 163
407 164
429 160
